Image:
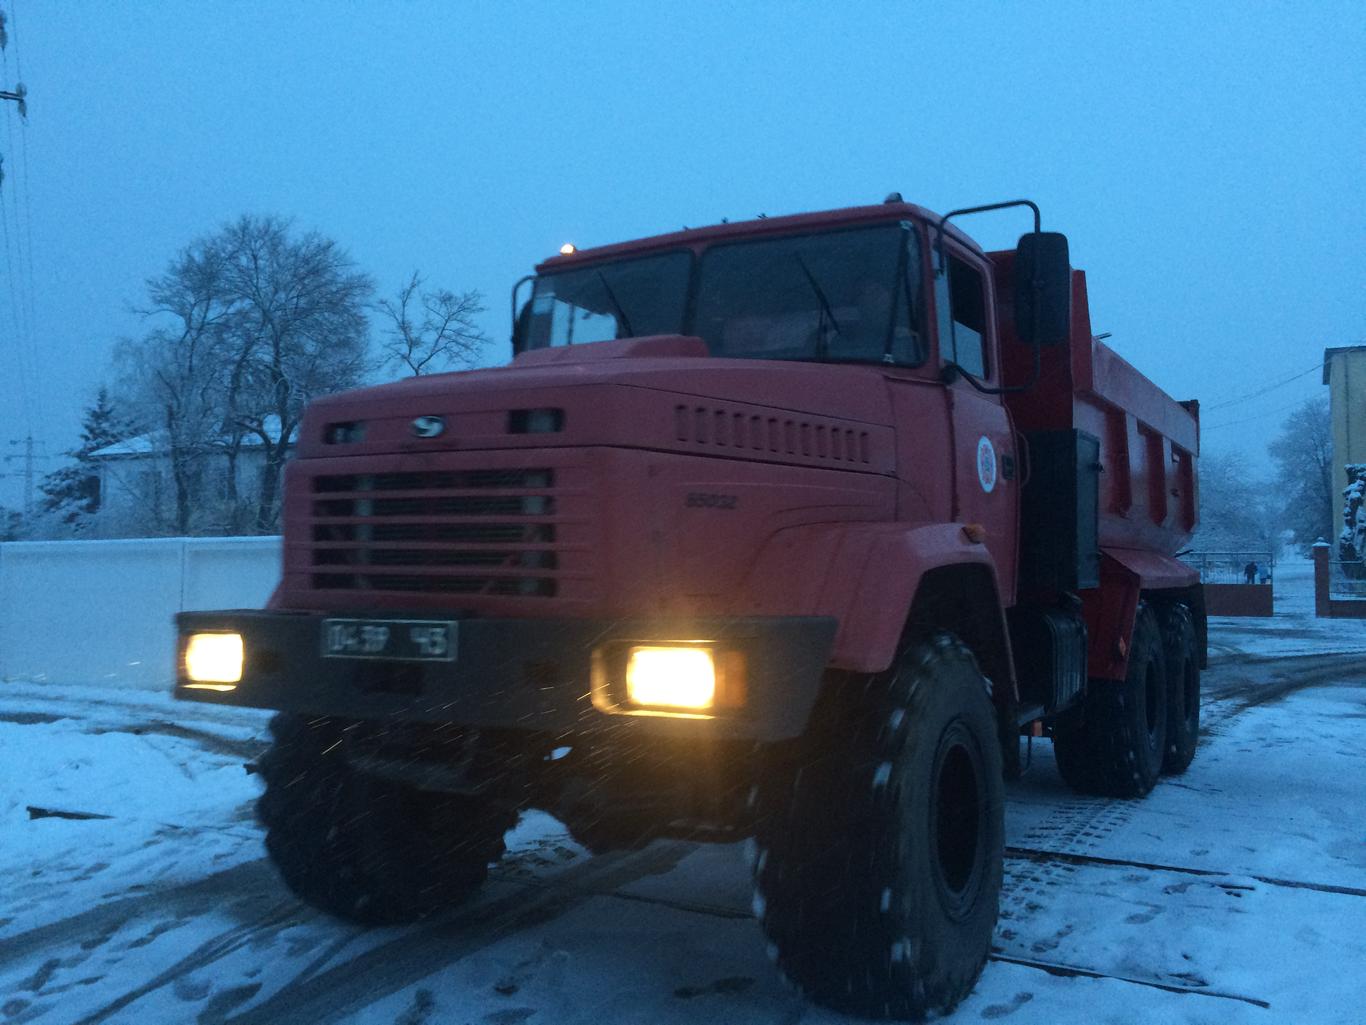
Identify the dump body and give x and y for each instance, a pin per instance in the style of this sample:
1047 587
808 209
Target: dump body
1145 486
1149 441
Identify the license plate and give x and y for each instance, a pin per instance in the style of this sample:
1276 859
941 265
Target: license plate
412 640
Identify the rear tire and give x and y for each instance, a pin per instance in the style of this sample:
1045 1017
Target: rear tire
879 842
363 848
1183 689
1113 744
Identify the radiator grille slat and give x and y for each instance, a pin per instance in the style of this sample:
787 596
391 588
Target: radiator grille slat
493 532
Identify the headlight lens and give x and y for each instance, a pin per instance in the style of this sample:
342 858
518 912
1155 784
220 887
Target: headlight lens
671 677
214 660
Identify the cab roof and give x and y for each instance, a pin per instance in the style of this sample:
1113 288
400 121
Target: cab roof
696 238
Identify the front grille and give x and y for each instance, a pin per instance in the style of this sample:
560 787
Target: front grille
488 532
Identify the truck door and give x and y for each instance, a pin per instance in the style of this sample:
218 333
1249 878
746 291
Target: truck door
985 477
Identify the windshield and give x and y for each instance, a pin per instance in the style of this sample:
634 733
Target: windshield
629 299
842 296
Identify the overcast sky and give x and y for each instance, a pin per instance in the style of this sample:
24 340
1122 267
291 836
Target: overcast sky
1208 161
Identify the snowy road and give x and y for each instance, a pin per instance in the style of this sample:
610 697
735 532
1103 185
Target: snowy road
1236 893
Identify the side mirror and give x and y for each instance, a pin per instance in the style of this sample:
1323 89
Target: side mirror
519 329
520 317
1043 289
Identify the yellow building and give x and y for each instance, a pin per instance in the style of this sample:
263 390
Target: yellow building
1344 371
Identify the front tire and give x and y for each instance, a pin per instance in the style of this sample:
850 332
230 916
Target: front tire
1113 745
879 842
366 849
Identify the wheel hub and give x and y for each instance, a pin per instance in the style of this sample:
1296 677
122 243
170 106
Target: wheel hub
957 816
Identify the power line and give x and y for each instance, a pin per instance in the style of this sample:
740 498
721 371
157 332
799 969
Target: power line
1250 419
1263 390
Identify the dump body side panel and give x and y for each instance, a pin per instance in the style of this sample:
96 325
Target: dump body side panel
1147 497
1149 441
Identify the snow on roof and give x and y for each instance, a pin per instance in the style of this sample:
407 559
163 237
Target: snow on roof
141 444
154 442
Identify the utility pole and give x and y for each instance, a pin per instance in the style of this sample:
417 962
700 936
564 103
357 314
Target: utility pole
18 95
29 458
28 476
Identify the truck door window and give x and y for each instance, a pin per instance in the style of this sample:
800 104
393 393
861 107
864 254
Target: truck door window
595 303
962 317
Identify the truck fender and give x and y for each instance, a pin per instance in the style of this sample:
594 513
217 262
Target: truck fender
878 579
1126 577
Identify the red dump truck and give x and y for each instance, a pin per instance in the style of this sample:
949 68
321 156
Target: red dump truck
784 530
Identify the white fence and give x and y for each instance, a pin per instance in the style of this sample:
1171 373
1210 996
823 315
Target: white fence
100 612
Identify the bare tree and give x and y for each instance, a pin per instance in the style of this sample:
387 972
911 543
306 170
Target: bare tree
432 329
300 332
252 323
1304 460
1238 510
175 374
167 379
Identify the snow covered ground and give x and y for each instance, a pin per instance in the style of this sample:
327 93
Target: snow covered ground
1293 630
1236 893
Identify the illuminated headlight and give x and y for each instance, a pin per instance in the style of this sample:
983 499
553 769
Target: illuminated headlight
213 661
671 677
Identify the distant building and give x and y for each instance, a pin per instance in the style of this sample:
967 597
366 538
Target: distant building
137 494
1344 371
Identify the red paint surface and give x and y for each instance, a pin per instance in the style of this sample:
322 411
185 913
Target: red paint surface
1238 599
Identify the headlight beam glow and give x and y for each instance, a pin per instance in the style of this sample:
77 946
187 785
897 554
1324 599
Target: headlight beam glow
213 661
671 677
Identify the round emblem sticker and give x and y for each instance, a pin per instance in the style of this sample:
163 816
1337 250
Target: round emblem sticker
986 464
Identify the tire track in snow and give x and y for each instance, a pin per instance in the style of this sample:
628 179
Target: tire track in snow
96 926
1000 955
277 917
1035 854
1077 827
1268 683
221 731
415 953
1047 856
1072 971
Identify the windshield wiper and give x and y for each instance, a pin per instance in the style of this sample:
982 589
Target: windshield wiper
827 314
621 314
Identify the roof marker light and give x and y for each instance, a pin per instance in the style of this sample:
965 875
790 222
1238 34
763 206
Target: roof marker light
568 248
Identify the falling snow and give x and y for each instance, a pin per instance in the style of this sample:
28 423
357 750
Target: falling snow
1231 894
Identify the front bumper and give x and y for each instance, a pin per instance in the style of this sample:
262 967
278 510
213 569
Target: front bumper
520 674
